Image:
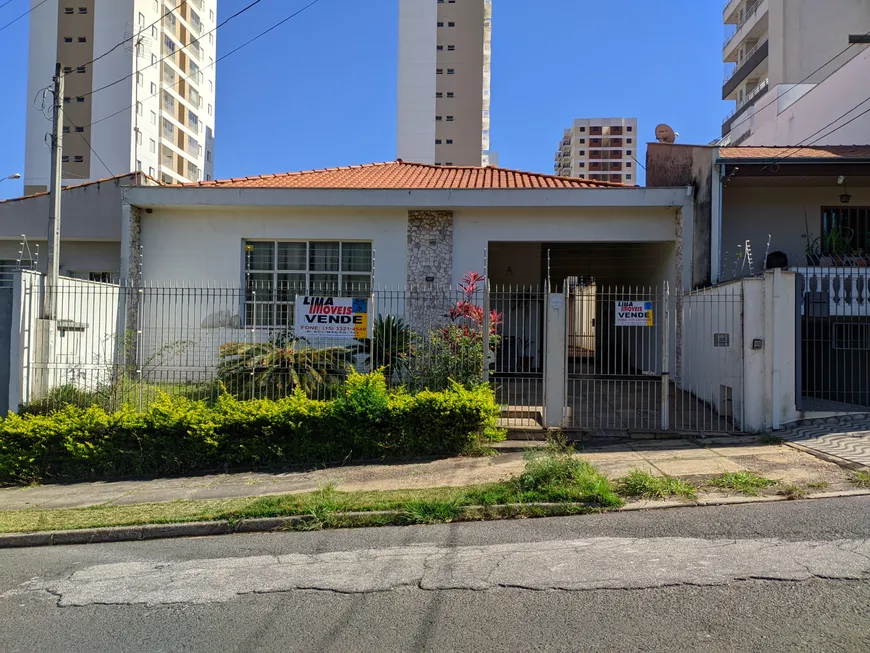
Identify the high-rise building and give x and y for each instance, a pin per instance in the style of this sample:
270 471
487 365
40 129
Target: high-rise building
147 105
768 49
604 149
444 80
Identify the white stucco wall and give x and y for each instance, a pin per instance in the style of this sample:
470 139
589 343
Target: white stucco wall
801 120
205 246
416 80
474 229
42 55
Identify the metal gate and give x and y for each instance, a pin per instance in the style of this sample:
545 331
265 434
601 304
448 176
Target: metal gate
517 371
833 339
616 367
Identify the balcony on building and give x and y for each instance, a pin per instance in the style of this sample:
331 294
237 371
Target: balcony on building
750 68
737 113
752 24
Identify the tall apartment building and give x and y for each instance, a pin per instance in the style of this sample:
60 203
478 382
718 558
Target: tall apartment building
603 149
444 81
156 112
769 49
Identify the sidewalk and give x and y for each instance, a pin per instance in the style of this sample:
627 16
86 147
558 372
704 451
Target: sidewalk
682 458
845 437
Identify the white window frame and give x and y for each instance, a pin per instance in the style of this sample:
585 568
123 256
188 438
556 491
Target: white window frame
267 319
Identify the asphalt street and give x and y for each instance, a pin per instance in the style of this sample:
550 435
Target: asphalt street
761 577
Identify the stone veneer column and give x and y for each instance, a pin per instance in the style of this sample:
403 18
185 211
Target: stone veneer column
430 268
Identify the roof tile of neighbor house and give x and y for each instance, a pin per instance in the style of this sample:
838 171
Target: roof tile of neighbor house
128 175
796 153
405 175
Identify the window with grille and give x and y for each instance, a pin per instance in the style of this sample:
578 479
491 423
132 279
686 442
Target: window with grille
275 272
845 230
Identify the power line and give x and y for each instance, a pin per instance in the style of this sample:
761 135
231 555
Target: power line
638 162
12 22
230 53
831 60
801 144
131 37
167 56
80 132
5 3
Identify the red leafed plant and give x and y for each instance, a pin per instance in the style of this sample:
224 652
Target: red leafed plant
468 316
458 346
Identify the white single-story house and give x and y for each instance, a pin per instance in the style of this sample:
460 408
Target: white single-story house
403 224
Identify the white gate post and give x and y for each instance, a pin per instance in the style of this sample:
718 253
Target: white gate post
555 360
666 354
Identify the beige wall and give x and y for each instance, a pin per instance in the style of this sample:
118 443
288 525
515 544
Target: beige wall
466 83
752 212
76 84
809 34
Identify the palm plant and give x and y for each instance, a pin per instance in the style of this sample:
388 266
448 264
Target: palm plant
391 346
276 368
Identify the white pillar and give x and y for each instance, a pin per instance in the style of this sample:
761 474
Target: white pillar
555 360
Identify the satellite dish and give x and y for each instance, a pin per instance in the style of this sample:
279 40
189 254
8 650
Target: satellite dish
664 134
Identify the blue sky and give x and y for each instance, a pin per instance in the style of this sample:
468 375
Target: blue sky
320 91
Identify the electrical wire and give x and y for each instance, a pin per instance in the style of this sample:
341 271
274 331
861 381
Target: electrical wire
182 48
221 58
15 20
132 36
5 3
87 142
802 144
829 61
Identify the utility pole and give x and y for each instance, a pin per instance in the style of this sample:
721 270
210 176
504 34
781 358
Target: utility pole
49 296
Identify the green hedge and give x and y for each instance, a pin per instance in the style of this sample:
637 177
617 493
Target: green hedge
177 435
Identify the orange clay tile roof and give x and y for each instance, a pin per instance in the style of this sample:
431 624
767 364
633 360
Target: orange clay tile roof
88 183
402 175
796 152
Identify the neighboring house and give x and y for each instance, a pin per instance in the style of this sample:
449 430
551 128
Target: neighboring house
90 229
802 209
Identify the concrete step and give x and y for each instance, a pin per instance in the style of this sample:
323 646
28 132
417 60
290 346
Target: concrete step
529 412
518 446
519 424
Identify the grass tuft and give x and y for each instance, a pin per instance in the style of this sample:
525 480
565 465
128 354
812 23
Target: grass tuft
640 483
770 439
861 479
748 483
792 491
554 475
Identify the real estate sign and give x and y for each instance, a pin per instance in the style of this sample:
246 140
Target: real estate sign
332 317
634 314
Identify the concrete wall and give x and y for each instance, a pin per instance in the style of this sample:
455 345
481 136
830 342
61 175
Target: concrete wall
79 348
709 373
5 346
803 118
77 258
684 165
753 212
805 34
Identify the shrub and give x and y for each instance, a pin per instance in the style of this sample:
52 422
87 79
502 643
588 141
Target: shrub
179 435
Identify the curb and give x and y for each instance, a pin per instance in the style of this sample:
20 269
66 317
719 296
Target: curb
273 524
